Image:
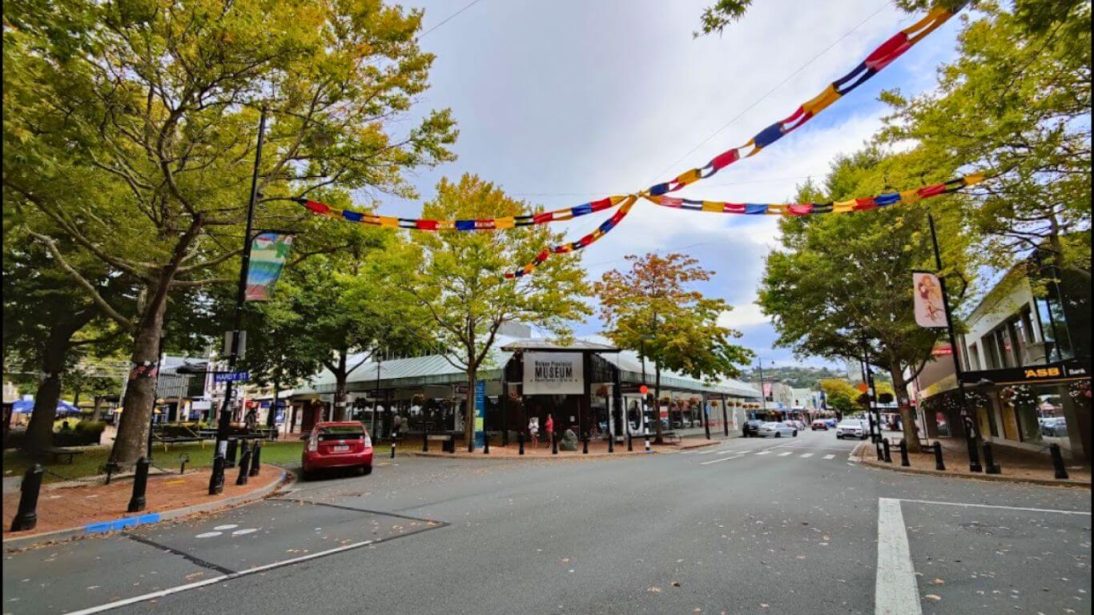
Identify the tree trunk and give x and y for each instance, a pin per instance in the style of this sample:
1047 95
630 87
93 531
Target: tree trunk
657 403
340 377
469 423
140 391
907 413
40 430
97 413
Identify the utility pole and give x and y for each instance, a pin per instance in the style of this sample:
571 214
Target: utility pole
216 480
763 394
970 423
874 411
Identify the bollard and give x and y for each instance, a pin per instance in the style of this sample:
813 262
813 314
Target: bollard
230 456
630 442
256 454
585 444
611 443
877 449
1058 461
938 463
485 444
183 460
648 449
904 454
520 442
990 467
140 485
216 479
27 517
885 449
425 441
393 446
244 460
554 444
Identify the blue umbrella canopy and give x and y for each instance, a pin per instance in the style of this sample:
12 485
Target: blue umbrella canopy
26 406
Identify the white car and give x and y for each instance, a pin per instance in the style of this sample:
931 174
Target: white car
776 430
851 429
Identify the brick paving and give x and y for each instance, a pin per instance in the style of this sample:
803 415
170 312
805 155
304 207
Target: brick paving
65 505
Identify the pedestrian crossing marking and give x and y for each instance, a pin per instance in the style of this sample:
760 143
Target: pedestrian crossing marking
785 454
706 463
764 453
829 456
806 455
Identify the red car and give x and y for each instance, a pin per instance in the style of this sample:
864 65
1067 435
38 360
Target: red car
337 444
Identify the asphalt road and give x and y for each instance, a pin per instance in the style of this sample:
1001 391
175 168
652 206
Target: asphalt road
749 526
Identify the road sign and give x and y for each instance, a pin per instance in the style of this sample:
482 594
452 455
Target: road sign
232 377
643 389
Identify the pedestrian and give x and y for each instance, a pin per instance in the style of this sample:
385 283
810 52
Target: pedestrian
533 431
251 419
550 427
397 424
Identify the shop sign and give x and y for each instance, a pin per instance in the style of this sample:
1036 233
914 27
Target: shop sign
553 373
1033 373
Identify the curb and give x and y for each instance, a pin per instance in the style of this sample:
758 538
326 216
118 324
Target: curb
105 527
1048 482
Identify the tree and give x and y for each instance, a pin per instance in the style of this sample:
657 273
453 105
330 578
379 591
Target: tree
842 280
651 309
1015 104
839 395
131 127
461 281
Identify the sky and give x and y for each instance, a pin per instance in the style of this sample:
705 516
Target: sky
565 101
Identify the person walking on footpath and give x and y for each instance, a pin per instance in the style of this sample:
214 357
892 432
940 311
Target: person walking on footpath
550 427
533 431
397 424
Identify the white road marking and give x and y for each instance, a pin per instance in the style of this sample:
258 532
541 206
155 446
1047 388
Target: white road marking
706 463
208 535
230 526
785 454
829 456
895 592
226 577
806 455
711 451
967 505
764 453
246 530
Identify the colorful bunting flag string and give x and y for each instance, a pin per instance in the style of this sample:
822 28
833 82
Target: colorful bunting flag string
604 228
804 209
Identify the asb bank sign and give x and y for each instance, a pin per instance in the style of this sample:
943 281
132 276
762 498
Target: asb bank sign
553 373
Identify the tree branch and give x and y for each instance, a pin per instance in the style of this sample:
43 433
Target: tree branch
107 309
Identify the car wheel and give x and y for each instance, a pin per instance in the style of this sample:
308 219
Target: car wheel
778 435
366 470
795 433
307 475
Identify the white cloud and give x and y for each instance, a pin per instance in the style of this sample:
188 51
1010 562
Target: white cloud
743 316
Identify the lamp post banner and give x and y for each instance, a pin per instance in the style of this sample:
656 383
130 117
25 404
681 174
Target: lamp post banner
553 373
268 253
930 313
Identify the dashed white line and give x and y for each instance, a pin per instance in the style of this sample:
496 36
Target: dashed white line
706 463
806 455
829 456
895 591
785 454
1022 508
764 453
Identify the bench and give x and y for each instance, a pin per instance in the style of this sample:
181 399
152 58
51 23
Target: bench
187 436
448 441
57 453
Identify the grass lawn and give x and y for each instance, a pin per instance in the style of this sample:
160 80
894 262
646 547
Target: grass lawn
284 453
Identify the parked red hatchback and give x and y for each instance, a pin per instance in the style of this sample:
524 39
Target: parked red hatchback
337 444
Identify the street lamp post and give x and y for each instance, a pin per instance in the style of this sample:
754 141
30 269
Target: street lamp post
216 480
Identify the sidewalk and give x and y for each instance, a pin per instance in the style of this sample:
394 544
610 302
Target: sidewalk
71 509
1017 465
597 449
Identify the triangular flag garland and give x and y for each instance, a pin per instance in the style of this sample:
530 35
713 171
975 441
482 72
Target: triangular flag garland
877 60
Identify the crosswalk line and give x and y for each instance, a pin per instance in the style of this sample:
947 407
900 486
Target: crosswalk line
785 454
806 455
719 460
711 451
829 456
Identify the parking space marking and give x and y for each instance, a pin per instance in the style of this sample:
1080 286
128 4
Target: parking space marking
1022 508
707 463
895 590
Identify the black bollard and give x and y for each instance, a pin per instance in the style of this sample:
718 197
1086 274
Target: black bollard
1058 461
630 442
27 516
393 446
425 441
520 442
256 454
974 456
140 485
611 443
230 456
877 448
585 443
183 460
554 444
485 444
216 479
904 454
885 450
938 463
244 459
990 467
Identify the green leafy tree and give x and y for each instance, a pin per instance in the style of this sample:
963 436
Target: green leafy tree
461 281
844 279
131 126
654 309
1016 105
839 395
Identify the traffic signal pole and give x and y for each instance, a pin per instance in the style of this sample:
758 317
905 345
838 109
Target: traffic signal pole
216 480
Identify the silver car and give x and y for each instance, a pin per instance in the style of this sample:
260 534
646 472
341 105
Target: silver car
776 430
851 429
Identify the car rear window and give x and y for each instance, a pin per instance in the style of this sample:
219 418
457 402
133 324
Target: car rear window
341 432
